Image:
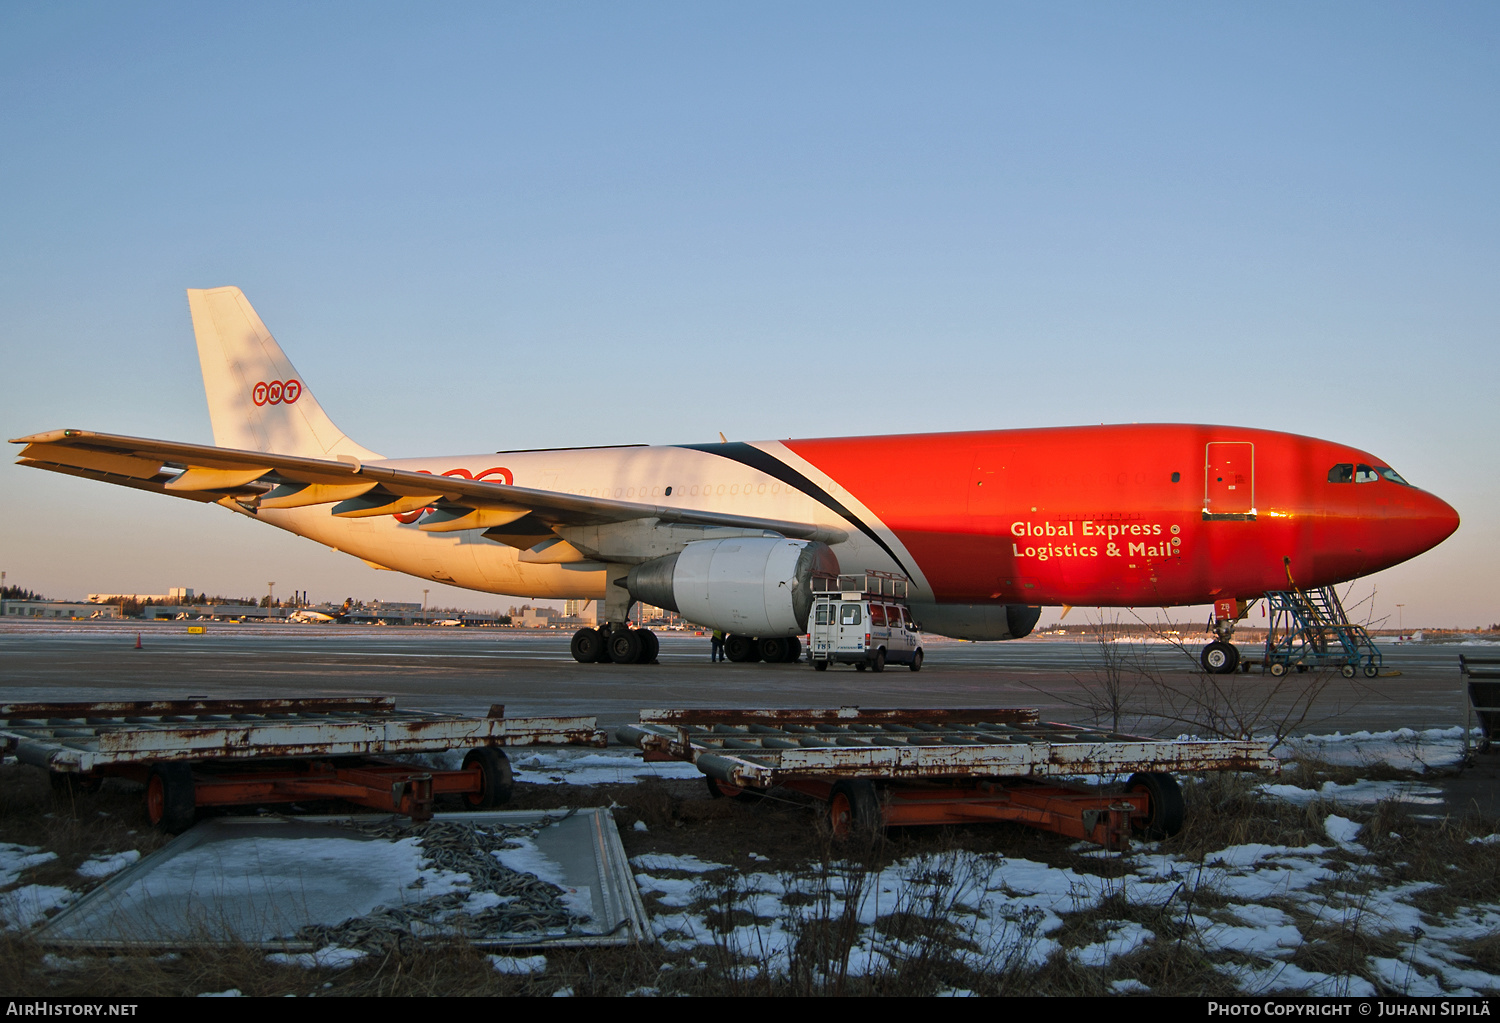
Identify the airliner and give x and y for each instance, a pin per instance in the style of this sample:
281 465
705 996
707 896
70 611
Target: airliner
988 526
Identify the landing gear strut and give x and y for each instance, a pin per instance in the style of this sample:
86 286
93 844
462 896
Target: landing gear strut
1222 657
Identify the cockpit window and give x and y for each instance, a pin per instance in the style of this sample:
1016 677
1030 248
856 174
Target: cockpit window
1391 474
1365 474
1341 473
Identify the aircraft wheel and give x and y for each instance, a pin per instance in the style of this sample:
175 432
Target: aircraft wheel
820 665
878 664
1347 671
854 810
793 650
625 646
497 780
1372 671
170 803
1220 658
586 646
772 649
650 646
1278 669
738 648
916 661
1164 806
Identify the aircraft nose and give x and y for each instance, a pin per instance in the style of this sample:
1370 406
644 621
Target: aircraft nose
1439 520
1422 524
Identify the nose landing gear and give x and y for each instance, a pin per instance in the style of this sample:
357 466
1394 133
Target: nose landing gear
1222 657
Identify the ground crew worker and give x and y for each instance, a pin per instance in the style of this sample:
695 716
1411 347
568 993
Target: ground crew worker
716 646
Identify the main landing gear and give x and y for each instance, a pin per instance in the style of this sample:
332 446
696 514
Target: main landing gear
772 649
615 644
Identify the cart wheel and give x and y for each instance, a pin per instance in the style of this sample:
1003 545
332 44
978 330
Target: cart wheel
1302 668
916 661
1164 806
1347 671
74 784
169 798
1372 670
494 771
820 665
854 810
1278 668
723 790
878 664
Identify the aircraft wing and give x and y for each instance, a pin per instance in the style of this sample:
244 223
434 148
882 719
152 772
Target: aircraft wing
517 516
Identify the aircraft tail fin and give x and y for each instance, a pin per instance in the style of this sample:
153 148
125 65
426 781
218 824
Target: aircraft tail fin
256 398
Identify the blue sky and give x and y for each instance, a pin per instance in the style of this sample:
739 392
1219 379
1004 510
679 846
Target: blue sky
491 226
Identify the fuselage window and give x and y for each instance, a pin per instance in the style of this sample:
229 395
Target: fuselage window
1341 473
1391 474
849 615
1364 474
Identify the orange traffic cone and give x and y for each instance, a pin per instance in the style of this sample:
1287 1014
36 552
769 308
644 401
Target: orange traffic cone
137 640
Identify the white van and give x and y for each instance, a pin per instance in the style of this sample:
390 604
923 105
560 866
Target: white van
864 622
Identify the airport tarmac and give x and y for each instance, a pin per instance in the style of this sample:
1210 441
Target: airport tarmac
531 672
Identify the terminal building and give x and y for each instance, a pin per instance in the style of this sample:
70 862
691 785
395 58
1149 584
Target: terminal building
58 609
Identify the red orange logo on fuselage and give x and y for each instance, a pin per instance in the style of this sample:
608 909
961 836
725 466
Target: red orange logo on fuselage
498 474
276 392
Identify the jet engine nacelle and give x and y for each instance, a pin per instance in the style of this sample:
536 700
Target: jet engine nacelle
753 586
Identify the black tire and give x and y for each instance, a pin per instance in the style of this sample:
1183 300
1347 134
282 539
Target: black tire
878 663
772 649
170 804
602 657
793 650
586 646
854 810
494 770
916 660
860 665
1278 668
820 665
1220 658
1372 671
738 648
1165 808
1347 671
650 646
723 790
625 646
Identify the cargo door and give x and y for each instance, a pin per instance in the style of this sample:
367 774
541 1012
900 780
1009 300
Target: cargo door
1229 480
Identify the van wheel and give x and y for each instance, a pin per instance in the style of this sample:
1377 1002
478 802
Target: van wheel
878 664
860 665
820 665
916 661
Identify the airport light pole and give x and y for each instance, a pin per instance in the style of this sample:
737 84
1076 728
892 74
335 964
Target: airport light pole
1400 619
270 596
424 607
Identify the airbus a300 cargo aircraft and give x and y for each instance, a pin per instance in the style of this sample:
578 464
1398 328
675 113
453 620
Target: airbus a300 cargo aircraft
989 526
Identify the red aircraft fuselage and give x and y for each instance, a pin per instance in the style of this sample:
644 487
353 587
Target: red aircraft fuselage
1149 515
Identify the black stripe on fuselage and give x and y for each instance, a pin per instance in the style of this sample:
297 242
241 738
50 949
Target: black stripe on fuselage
755 458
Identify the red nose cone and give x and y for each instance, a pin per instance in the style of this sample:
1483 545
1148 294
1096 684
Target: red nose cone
1440 521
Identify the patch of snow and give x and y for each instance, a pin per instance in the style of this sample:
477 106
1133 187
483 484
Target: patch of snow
17 858
1485 840
233 992
1400 976
1359 793
28 905
1264 980
563 992
640 826
1128 986
53 961
666 861
1123 938
331 957
526 858
103 866
1343 831
519 966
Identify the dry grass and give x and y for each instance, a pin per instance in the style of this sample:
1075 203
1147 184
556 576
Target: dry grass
1223 810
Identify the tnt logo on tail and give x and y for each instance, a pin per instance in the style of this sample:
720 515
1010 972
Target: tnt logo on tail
276 392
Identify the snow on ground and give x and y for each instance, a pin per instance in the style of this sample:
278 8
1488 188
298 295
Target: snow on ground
103 866
28 905
331 958
595 767
1405 749
522 966
17 858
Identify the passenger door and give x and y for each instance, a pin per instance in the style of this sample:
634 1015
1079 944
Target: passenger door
1229 480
